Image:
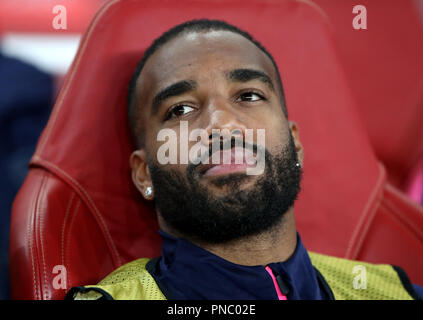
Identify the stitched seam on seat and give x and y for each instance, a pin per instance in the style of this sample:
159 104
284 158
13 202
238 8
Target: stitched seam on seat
315 7
395 213
30 241
75 211
62 237
72 73
45 291
369 212
102 224
31 234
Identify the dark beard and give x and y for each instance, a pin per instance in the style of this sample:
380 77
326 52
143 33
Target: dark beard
191 209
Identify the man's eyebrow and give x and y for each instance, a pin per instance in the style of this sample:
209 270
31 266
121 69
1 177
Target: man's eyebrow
174 89
245 75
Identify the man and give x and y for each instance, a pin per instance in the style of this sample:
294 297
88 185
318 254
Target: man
226 234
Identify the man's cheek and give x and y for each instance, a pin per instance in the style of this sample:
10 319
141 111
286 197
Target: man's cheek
259 159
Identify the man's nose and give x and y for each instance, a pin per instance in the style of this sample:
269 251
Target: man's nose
223 118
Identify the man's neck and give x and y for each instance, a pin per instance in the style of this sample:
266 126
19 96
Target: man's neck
275 245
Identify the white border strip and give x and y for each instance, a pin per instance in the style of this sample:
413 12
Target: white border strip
50 53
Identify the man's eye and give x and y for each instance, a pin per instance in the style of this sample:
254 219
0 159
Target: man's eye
250 96
178 111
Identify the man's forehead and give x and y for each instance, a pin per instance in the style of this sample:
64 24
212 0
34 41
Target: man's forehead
195 50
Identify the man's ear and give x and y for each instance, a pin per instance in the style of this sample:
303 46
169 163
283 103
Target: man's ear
295 131
141 174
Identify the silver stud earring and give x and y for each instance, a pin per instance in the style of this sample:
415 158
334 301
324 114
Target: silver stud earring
298 164
148 191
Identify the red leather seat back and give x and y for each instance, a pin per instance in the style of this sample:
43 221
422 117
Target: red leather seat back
384 68
394 234
78 207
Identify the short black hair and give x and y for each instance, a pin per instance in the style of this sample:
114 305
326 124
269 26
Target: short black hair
189 26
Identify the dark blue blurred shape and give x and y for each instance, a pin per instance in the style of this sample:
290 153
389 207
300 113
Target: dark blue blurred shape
26 96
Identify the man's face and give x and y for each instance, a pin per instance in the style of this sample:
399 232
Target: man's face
216 80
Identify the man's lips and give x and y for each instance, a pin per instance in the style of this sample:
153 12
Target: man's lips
222 168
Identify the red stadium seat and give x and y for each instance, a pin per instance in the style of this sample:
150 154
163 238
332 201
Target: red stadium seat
385 70
78 207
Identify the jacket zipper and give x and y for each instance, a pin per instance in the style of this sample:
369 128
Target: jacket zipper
281 288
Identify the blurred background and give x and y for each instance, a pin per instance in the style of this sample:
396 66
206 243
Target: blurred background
383 65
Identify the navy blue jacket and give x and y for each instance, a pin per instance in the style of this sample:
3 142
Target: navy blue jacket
187 272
